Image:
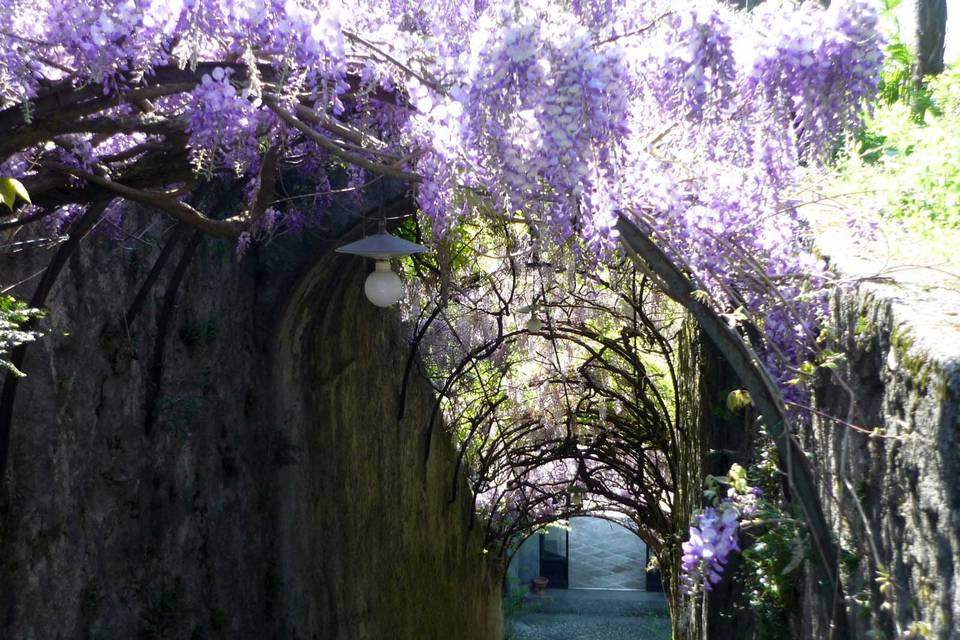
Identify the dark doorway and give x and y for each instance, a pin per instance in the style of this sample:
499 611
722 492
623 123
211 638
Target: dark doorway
555 557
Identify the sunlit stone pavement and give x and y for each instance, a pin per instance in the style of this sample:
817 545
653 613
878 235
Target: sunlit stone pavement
576 614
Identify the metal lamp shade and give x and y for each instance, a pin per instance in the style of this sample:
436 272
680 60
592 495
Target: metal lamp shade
382 246
382 287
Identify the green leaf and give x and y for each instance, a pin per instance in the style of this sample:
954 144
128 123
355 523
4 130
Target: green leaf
10 190
13 314
737 477
738 399
737 472
831 359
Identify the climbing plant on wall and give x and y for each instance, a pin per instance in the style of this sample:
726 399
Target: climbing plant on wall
14 315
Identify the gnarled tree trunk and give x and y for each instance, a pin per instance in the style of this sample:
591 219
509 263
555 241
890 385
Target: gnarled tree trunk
931 34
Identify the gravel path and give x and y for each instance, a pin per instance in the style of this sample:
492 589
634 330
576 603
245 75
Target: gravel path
590 615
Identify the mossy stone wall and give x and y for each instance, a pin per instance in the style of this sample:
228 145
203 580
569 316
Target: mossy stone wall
893 496
270 493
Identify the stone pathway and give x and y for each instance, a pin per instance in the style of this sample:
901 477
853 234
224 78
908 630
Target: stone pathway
574 614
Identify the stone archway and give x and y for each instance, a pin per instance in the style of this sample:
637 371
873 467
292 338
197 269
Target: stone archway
370 544
275 495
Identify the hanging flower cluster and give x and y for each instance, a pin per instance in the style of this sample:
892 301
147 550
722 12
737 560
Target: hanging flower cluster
689 122
712 539
223 121
715 532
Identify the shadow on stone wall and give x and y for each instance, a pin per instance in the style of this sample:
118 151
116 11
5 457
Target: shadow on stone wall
405 564
271 494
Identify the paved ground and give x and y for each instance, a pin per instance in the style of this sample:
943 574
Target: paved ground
575 614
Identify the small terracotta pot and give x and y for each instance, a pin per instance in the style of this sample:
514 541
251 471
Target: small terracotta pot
540 585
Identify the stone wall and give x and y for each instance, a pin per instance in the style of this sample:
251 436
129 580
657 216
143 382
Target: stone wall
894 498
249 479
401 561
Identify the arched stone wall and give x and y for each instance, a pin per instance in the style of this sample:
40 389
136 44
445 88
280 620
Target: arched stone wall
273 495
388 554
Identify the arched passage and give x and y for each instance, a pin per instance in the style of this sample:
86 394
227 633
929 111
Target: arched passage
277 495
369 545
590 406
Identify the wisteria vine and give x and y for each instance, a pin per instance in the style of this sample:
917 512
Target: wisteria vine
689 120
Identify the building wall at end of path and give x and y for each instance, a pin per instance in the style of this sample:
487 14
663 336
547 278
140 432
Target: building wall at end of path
893 498
602 555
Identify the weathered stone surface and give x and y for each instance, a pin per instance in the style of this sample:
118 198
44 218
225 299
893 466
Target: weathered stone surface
272 494
405 563
894 498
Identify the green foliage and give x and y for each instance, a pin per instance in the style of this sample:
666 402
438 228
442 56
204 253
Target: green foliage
736 479
774 544
906 163
906 160
10 190
13 316
738 399
900 175
897 83
514 601
770 573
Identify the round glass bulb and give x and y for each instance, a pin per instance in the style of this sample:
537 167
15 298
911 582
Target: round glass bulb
534 325
383 287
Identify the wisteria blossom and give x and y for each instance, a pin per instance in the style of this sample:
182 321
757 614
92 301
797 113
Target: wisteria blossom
714 535
712 539
689 120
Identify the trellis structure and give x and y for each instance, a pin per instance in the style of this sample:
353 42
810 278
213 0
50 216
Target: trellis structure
673 133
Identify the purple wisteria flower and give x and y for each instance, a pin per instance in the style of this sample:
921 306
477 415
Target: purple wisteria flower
714 536
706 553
